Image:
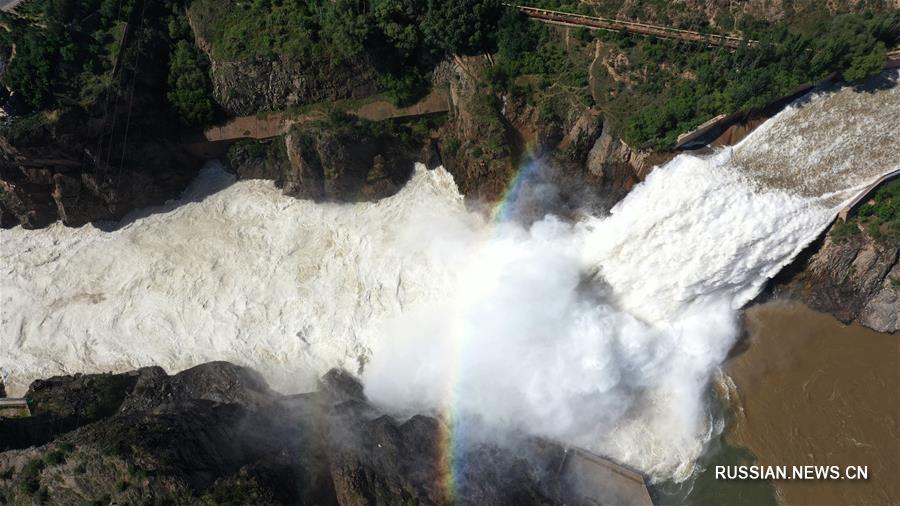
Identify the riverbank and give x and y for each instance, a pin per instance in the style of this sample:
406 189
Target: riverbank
812 391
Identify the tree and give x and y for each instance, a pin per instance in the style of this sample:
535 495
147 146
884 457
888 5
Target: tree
862 66
399 21
461 26
30 73
346 27
189 85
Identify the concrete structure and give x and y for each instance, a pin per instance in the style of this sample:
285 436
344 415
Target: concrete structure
710 130
864 196
13 408
590 479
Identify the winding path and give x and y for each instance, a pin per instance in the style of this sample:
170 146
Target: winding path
278 123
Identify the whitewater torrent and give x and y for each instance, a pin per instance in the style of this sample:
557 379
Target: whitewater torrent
602 333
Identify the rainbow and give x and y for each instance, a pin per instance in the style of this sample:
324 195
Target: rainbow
505 208
452 436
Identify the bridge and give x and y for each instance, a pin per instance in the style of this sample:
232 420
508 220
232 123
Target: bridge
863 196
616 25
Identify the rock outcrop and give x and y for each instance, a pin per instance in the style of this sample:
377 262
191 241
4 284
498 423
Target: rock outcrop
563 152
243 88
247 86
855 278
217 434
57 175
97 161
343 159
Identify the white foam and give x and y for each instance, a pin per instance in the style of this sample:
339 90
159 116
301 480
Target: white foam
247 275
602 333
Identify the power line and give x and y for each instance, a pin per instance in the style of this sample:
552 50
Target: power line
137 59
112 74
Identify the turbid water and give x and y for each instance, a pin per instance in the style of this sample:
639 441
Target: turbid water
811 390
604 333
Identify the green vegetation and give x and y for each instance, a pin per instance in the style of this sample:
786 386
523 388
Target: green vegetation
260 28
55 457
345 28
403 38
881 216
850 45
42 496
30 477
843 231
460 26
235 491
189 85
653 90
525 47
79 53
665 88
104 500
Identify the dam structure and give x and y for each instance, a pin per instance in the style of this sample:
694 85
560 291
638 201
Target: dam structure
600 333
863 196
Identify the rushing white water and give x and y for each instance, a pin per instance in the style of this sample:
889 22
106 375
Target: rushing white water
601 333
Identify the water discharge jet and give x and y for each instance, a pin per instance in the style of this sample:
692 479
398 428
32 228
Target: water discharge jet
447 311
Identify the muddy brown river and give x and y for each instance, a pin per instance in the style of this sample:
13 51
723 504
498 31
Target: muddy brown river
810 390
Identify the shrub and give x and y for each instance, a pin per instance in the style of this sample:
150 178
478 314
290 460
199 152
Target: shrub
189 85
844 230
55 457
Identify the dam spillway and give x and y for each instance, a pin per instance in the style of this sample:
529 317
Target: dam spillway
601 333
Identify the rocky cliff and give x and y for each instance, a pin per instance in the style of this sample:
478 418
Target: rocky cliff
66 169
217 434
570 160
246 87
853 276
339 159
97 160
253 84
567 151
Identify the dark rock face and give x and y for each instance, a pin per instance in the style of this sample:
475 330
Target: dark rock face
57 172
382 461
219 382
857 278
216 433
78 169
347 162
243 88
567 159
64 403
247 86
